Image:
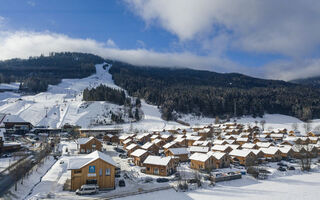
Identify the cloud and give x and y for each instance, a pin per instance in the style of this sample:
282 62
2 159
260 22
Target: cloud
111 43
31 3
291 70
288 27
23 44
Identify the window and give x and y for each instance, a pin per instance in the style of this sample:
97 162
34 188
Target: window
77 171
100 172
156 171
148 168
83 151
93 146
88 151
108 172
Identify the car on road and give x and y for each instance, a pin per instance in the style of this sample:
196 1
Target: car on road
162 180
122 183
282 169
291 168
87 189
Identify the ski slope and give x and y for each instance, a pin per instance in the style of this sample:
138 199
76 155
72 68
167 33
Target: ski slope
62 104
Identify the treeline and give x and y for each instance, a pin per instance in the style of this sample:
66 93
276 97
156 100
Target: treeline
36 73
115 96
104 93
213 94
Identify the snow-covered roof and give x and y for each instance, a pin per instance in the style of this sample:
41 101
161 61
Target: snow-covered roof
81 161
147 145
127 141
9 118
138 152
218 141
84 140
157 160
179 139
218 147
178 151
242 139
248 145
240 153
199 157
168 145
263 144
270 150
131 146
198 149
216 155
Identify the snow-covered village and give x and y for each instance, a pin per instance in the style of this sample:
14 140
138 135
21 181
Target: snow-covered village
44 156
155 99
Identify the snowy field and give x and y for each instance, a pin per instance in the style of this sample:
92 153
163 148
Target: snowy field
294 187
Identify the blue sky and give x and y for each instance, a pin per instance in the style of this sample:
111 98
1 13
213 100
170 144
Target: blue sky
270 39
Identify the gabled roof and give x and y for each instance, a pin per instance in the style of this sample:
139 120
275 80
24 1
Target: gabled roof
84 140
157 160
170 144
178 151
216 155
248 145
131 146
200 157
240 153
138 152
81 161
270 150
147 145
218 147
198 149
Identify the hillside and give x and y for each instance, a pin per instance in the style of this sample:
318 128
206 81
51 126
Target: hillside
314 82
36 73
213 94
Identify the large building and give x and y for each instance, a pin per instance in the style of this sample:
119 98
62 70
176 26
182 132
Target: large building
94 168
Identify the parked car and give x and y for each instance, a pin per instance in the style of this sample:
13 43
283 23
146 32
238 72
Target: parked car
148 179
119 150
123 156
122 183
162 180
282 169
282 164
87 189
291 168
109 143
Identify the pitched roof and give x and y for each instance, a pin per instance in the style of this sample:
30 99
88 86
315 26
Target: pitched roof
198 149
138 152
131 146
147 145
81 161
218 147
157 160
199 157
216 155
84 140
240 153
179 151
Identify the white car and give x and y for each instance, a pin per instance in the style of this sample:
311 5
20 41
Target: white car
87 189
